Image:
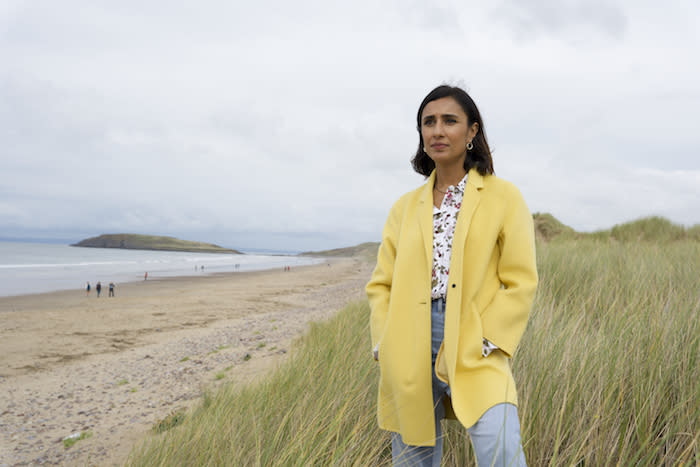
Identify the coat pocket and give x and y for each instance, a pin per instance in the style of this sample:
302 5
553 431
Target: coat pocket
471 340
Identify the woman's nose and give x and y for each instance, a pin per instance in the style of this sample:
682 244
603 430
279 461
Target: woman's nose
438 128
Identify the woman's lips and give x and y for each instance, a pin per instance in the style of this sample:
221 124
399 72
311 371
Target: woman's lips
438 146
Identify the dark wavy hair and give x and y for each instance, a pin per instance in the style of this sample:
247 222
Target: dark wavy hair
479 156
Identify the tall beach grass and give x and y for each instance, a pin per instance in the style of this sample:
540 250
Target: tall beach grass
608 373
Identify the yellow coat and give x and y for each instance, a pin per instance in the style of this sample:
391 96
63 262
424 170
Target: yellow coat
491 287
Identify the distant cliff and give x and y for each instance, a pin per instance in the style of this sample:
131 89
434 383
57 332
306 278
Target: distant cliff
150 242
367 250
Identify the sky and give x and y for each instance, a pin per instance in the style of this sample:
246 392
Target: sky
291 125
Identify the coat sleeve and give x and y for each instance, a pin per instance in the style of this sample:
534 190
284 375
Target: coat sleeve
379 286
505 318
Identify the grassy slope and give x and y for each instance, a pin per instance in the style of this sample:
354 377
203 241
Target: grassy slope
150 242
366 250
608 372
647 229
548 228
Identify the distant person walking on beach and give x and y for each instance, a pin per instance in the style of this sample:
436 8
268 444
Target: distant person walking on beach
98 287
87 290
145 276
465 240
111 289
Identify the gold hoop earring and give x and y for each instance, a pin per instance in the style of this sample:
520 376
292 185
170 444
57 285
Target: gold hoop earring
470 146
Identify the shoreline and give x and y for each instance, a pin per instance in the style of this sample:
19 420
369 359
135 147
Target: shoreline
223 251
116 366
151 279
157 278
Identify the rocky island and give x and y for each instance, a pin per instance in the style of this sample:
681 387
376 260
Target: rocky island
151 242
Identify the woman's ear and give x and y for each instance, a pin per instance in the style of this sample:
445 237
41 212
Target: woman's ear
474 129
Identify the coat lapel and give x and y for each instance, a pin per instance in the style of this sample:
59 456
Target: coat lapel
425 217
470 201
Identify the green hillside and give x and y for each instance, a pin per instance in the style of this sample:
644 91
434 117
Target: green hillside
646 229
549 228
366 250
150 242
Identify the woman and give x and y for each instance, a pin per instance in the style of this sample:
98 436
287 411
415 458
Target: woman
451 293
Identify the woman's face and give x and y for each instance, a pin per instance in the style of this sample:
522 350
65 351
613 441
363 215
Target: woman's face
446 131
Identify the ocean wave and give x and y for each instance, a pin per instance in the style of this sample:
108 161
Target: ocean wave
61 265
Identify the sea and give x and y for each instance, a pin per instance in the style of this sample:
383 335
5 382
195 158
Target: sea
27 268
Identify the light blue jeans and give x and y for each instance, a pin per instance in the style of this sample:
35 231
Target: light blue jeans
495 436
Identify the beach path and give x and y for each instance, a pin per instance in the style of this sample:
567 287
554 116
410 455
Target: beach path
114 367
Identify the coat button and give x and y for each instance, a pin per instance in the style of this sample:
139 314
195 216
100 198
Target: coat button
454 285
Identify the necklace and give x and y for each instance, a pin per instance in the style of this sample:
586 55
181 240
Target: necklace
439 190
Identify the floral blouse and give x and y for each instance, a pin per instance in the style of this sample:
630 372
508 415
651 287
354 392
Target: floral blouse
444 222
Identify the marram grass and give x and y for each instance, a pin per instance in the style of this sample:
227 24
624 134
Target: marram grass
608 373
318 408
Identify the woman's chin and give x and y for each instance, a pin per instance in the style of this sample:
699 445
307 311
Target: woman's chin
446 159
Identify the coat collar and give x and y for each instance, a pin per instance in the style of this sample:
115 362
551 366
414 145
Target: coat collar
475 182
474 178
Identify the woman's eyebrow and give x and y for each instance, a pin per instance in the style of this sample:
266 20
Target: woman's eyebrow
441 116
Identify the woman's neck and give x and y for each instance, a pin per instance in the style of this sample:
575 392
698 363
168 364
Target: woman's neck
448 175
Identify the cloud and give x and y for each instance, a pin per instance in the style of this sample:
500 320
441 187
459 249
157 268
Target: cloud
272 124
571 20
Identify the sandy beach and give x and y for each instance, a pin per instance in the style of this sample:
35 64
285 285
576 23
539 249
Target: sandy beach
114 366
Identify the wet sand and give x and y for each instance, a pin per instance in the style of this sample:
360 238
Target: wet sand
115 366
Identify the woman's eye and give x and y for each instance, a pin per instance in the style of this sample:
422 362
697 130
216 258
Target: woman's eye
451 120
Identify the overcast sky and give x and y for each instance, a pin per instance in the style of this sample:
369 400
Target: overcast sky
290 125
